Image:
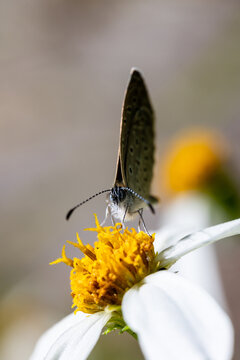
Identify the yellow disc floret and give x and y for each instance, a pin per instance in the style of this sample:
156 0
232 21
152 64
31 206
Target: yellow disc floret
191 160
118 260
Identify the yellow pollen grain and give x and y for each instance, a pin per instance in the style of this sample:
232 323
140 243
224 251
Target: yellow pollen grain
118 260
191 160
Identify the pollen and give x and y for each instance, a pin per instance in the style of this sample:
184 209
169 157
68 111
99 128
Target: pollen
191 161
119 259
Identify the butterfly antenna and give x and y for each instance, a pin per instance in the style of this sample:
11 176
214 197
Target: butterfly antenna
83 202
141 198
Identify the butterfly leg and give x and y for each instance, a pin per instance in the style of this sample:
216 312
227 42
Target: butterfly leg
123 219
143 222
111 215
106 215
112 219
139 220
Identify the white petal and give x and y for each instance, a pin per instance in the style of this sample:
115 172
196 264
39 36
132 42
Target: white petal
167 236
197 240
201 267
50 336
175 319
71 338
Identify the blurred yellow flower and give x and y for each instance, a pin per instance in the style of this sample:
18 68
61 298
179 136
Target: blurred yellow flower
191 160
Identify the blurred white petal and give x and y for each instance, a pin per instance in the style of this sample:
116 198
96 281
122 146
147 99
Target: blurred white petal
72 338
199 239
191 210
187 213
174 319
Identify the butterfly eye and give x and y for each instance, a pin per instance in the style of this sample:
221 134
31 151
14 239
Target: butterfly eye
118 194
121 195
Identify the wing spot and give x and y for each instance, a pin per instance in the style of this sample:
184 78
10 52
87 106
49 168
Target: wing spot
131 150
130 170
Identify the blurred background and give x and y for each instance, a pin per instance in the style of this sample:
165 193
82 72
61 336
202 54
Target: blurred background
64 69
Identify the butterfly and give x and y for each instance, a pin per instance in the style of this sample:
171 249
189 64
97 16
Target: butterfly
130 193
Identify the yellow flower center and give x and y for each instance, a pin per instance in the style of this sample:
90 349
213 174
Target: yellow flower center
118 260
191 161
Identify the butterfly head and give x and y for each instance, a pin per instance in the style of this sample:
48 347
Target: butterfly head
119 200
118 195
125 203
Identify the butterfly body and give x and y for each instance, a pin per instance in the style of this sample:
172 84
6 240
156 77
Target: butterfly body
136 153
131 189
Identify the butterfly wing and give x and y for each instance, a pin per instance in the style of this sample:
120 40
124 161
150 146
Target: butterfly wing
136 154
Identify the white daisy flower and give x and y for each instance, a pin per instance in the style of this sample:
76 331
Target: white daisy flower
124 282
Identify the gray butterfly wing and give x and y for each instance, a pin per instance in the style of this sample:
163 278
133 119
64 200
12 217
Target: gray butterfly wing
136 153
